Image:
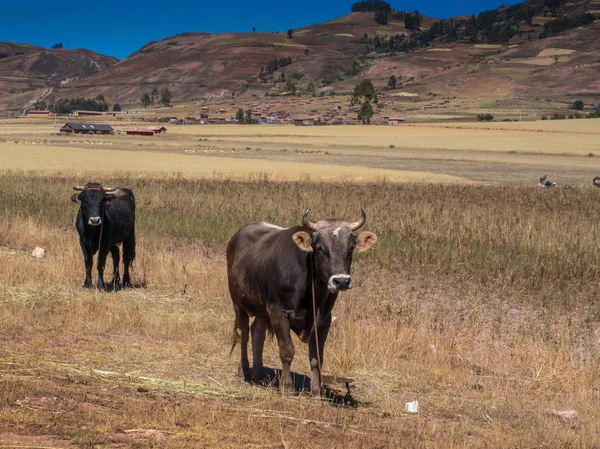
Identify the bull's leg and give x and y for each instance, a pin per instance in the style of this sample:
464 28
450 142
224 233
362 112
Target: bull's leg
315 373
281 327
88 259
243 324
114 251
102 253
128 256
259 330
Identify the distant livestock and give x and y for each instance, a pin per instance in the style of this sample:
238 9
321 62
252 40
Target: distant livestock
285 277
544 183
596 181
106 218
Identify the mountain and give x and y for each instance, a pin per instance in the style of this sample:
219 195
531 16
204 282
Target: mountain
514 56
29 72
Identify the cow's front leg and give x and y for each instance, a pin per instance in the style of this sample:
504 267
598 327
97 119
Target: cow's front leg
316 384
114 251
281 327
88 259
101 262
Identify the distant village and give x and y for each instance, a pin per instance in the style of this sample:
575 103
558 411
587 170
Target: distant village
315 111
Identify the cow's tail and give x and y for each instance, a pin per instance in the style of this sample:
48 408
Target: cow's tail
235 337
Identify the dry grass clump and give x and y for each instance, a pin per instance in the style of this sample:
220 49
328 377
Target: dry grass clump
479 302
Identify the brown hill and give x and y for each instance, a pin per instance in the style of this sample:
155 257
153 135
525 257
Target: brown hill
330 57
28 72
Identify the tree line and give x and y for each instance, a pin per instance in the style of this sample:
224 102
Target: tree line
68 105
492 26
152 98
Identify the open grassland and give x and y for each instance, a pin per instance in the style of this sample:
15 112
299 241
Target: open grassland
572 137
481 303
464 153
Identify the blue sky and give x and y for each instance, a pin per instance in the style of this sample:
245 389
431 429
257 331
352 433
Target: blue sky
121 28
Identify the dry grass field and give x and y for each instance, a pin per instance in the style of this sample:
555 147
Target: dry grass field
481 302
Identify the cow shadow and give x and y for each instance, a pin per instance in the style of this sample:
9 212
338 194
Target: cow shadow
116 287
335 397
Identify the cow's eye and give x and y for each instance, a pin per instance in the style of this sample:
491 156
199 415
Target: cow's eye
323 250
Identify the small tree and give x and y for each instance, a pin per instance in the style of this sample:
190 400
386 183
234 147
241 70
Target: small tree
392 82
290 33
117 107
366 112
239 115
154 95
249 116
364 89
306 51
165 97
57 45
290 86
145 99
577 105
253 29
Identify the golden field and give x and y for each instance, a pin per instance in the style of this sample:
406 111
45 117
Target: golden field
479 301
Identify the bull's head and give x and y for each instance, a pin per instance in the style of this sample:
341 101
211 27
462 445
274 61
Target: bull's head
92 197
332 243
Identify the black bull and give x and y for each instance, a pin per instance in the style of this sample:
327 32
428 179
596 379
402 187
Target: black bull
273 273
106 218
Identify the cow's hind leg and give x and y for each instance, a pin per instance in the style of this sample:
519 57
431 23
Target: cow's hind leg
128 257
114 251
242 322
281 327
259 330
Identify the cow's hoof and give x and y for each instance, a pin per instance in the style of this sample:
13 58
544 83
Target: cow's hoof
316 392
87 285
101 286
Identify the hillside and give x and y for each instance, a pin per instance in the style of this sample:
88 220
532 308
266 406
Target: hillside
495 60
29 72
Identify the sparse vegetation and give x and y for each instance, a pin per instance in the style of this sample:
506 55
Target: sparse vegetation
485 117
290 33
116 107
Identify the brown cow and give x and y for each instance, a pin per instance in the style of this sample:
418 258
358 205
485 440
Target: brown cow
272 274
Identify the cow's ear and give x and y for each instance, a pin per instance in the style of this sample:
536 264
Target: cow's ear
75 198
303 240
109 196
365 240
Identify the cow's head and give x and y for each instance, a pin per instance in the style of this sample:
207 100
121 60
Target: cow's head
332 243
92 197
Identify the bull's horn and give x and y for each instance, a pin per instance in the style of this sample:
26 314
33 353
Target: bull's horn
79 188
109 189
358 224
309 224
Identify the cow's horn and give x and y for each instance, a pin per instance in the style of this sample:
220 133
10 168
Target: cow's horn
109 189
79 188
309 224
358 224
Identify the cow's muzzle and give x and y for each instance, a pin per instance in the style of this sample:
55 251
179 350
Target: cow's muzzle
339 282
94 221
